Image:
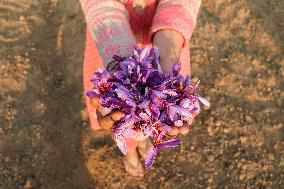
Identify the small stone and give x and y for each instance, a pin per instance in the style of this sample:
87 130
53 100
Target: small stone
211 158
281 163
243 140
233 142
226 130
218 123
280 102
249 119
85 116
30 183
194 79
210 132
250 175
271 157
7 159
242 176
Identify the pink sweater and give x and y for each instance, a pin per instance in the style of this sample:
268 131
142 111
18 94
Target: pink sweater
115 25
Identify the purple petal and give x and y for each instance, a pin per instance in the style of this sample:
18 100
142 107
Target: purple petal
159 94
186 103
203 101
176 68
131 102
121 144
144 116
129 133
155 78
166 127
186 80
126 81
151 157
162 135
136 52
196 107
91 94
130 120
155 111
156 54
170 92
144 104
119 75
163 116
117 58
121 94
170 144
144 54
175 111
178 123
157 98
126 66
147 130
148 112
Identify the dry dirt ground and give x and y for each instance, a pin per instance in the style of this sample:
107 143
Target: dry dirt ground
45 140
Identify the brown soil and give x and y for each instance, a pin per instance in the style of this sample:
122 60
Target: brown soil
45 140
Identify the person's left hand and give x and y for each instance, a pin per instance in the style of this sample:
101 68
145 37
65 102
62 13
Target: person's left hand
170 43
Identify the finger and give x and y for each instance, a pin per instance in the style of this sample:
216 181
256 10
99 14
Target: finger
96 104
196 113
174 131
184 129
117 116
190 121
106 122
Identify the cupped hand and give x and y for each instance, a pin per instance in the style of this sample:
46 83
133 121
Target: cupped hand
106 121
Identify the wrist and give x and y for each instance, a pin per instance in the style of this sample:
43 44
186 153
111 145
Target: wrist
170 43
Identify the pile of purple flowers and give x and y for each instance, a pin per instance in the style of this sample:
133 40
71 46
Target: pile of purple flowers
153 101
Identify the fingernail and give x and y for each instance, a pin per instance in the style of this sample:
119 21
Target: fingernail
190 121
116 116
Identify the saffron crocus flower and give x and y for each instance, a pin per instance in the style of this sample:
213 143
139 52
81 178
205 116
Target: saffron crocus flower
156 148
153 101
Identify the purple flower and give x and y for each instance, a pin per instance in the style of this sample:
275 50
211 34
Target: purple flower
155 149
177 113
153 101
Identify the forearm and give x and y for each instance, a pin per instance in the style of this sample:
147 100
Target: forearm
170 44
172 28
108 22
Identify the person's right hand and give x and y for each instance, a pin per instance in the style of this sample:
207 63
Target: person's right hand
106 121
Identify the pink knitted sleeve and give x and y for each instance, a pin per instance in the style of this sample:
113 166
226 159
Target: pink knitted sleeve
109 25
179 15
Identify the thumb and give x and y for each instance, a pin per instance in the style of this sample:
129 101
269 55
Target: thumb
96 104
117 116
